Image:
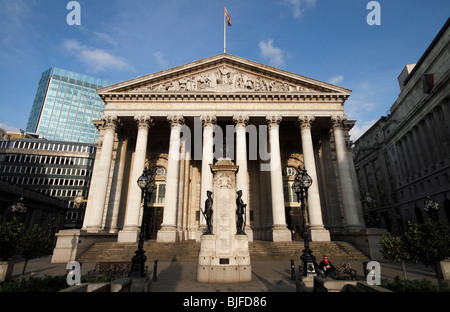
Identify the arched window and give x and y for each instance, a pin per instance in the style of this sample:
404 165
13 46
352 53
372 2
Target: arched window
158 196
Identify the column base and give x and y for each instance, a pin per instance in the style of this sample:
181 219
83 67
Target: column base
320 235
353 228
167 234
128 236
280 233
72 243
92 229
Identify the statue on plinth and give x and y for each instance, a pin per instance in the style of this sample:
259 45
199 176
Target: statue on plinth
208 213
240 213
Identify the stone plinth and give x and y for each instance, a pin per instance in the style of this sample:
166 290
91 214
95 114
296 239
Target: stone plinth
224 256
226 268
73 243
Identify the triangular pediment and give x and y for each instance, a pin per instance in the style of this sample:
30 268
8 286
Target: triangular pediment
223 73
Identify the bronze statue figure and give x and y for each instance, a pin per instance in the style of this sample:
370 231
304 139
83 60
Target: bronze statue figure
208 213
240 213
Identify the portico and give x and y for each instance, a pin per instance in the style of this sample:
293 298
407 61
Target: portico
181 120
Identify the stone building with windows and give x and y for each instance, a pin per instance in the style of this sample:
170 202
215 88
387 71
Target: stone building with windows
54 168
45 211
405 156
181 120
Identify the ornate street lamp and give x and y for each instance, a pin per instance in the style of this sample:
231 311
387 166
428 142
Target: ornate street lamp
432 208
147 184
18 207
300 187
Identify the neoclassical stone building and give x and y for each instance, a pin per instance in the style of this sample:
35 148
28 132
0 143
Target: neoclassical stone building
405 156
180 120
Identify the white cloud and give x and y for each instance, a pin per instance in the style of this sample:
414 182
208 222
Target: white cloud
274 54
105 37
335 80
158 55
96 60
9 128
300 6
359 129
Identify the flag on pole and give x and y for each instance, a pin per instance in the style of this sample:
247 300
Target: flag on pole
228 17
428 83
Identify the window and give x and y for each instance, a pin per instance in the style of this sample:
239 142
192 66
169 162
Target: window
288 179
159 194
160 171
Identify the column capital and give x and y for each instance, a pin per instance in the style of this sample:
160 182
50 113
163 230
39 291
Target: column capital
208 120
175 120
143 121
337 121
110 122
241 120
273 120
305 122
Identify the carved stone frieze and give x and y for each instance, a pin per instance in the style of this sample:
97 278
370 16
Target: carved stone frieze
222 79
224 180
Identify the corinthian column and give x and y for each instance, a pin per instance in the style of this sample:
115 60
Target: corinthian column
208 122
348 195
280 231
318 232
131 226
240 122
96 206
168 231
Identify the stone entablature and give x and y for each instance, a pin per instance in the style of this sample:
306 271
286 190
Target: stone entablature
224 77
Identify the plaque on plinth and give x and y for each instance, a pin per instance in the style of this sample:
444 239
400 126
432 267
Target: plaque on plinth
224 255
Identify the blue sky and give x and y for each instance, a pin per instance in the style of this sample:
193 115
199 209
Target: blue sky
117 40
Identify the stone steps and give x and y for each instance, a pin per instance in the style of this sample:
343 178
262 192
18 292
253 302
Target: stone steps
189 250
341 251
110 251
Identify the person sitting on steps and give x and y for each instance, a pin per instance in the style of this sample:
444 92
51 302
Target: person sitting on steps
326 266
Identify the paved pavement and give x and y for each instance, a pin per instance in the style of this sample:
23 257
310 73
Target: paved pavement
268 276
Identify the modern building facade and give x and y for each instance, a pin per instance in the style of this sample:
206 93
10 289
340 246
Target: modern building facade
405 156
54 168
65 105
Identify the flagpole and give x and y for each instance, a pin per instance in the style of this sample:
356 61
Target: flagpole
224 31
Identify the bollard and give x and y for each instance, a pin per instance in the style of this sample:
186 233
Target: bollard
292 269
155 268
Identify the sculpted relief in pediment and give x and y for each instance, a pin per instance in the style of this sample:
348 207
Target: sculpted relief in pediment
222 79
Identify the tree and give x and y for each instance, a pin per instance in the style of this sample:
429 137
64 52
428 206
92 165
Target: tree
428 243
32 243
10 232
393 249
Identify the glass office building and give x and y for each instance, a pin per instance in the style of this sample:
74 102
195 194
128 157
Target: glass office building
65 105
